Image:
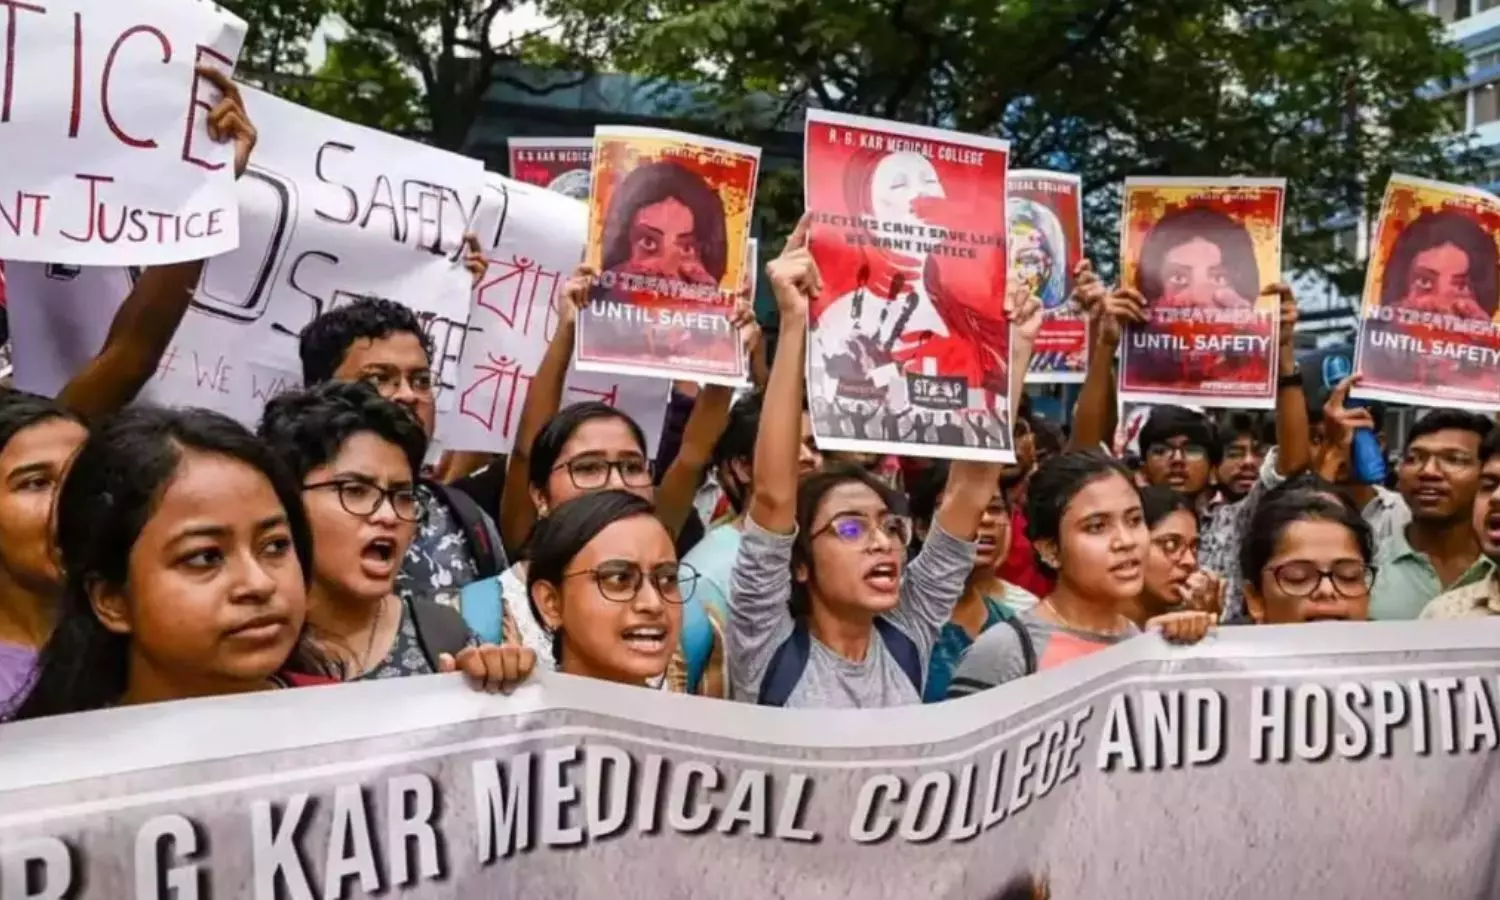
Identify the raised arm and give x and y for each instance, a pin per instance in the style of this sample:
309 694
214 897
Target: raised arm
795 282
1340 422
1094 416
1293 431
543 399
144 325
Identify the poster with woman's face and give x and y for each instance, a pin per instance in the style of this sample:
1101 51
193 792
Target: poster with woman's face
1428 321
557 164
1201 252
669 226
1045 213
910 350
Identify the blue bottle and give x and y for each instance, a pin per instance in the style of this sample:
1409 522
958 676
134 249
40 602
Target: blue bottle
1366 460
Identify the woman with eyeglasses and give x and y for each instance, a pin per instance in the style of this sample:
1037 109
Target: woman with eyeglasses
824 609
356 457
563 453
605 579
1172 580
1088 526
1307 558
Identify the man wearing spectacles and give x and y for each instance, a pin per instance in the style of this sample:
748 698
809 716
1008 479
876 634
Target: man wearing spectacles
382 343
1481 598
1439 478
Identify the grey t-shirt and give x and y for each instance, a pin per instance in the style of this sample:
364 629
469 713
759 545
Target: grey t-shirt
760 622
998 656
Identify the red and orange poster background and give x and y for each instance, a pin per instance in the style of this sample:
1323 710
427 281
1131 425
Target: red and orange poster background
1427 330
682 328
1192 350
1045 212
558 164
910 349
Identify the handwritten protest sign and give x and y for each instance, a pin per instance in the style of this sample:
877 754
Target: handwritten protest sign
534 239
331 212
669 222
1045 214
563 165
1201 251
1428 324
910 349
1341 746
103 121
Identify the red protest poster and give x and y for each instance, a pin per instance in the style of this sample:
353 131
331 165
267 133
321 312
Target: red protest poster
910 345
1427 332
557 164
1045 213
669 229
1201 251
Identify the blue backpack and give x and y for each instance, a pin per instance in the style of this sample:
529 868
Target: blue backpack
790 661
483 607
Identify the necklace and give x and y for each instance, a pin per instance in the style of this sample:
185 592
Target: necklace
1070 624
364 661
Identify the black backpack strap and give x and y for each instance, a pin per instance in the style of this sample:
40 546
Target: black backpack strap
440 630
786 667
1028 647
471 520
902 649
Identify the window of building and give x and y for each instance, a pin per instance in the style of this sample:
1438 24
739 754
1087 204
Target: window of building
1454 10
1346 242
1486 104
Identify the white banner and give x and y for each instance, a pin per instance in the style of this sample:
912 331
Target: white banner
1327 761
331 212
534 239
103 121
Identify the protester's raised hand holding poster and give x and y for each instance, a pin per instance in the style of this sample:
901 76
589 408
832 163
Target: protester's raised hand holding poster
1428 330
1045 214
534 238
563 165
910 344
1202 252
103 120
669 224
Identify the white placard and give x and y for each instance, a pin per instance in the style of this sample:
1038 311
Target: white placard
104 123
534 238
332 212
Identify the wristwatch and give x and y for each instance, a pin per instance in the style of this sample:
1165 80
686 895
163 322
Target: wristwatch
1292 379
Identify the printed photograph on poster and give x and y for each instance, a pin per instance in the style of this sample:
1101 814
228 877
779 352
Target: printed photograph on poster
533 239
557 164
1200 251
1045 214
910 346
669 221
1428 328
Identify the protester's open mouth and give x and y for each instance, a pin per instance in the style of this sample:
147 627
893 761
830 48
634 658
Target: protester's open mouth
1327 617
1130 568
883 576
647 639
1244 483
1428 495
260 628
378 558
1492 527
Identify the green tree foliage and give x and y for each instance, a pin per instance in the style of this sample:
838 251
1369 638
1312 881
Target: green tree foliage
1330 94
416 67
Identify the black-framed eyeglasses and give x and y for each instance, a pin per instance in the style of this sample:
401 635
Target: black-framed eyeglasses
361 498
590 473
387 382
857 528
1447 460
1189 452
1349 578
620 580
